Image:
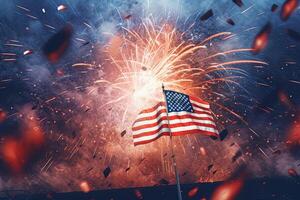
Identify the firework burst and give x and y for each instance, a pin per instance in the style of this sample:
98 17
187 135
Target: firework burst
152 55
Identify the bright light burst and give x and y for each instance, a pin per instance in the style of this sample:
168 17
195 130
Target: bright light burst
152 55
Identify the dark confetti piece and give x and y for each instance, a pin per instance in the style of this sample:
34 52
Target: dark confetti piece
207 15
123 133
293 34
274 7
106 172
163 182
238 2
223 134
230 21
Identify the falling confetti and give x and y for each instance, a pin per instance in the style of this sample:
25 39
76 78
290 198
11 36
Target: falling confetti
207 15
106 172
238 2
293 34
230 21
274 7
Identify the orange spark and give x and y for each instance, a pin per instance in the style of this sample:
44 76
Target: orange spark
293 136
18 151
193 192
262 38
84 186
2 115
288 8
229 190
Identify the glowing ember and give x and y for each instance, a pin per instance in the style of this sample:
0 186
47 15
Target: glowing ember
284 99
13 154
2 115
262 38
138 194
27 52
293 137
193 192
229 190
288 8
18 151
293 173
202 151
61 7
84 186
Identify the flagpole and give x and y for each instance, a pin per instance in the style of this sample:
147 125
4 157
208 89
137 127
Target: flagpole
172 150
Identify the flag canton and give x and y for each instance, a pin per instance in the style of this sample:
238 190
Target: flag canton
177 102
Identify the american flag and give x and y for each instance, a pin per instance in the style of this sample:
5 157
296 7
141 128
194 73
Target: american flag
186 115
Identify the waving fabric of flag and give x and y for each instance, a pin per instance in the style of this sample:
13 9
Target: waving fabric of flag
182 115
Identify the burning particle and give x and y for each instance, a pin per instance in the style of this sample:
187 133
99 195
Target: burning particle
229 190
293 137
262 38
207 15
238 2
193 192
284 99
274 7
60 72
106 172
230 21
203 151
127 17
61 8
288 8
293 34
18 151
56 46
138 194
27 52
2 115
84 186
293 173
13 154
